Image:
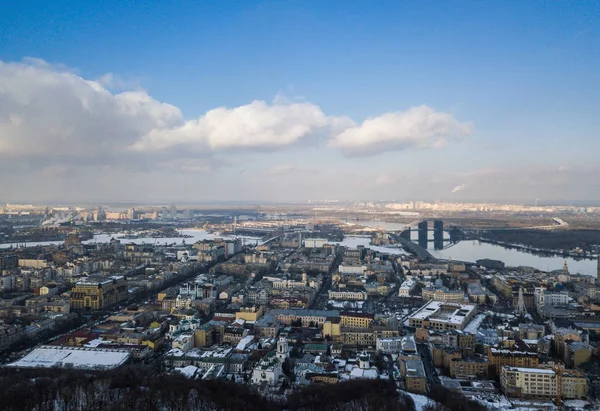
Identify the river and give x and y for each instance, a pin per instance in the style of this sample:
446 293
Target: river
463 251
473 250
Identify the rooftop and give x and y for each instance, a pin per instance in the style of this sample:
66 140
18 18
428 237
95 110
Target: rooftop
443 312
531 370
76 357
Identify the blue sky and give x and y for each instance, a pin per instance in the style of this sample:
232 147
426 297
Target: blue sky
517 84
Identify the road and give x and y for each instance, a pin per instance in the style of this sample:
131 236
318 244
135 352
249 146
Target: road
431 373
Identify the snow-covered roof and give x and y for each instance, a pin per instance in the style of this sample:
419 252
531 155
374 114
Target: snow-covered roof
245 342
189 371
531 370
76 357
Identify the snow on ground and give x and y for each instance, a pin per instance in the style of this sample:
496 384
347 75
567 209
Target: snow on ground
189 371
355 241
83 358
576 404
348 305
472 327
420 400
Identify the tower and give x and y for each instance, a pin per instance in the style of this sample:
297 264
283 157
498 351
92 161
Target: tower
282 349
438 234
566 267
423 234
521 309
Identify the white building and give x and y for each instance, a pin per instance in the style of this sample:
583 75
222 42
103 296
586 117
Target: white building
347 295
314 242
552 299
440 316
268 370
406 288
184 342
283 350
286 284
389 345
352 269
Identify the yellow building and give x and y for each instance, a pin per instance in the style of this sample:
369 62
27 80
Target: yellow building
154 344
326 378
355 319
543 383
528 382
443 294
499 358
332 329
465 368
574 385
358 336
251 313
98 293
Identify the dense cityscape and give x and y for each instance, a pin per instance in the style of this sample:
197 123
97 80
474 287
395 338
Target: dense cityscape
311 205
279 302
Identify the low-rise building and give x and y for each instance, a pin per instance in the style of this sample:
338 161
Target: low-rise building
344 294
442 316
442 294
268 370
406 288
415 378
389 345
469 368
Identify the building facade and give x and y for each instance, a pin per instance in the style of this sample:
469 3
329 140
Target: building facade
94 294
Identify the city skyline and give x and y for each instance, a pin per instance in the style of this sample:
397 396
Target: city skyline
270 102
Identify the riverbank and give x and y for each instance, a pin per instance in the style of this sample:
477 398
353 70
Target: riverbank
541 252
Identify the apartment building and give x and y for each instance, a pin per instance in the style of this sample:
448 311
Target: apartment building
98 293
528 382
356 319
347 294
416 380
466 368
542 383
499 358
442 294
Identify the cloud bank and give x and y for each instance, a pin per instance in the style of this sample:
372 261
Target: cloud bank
257 125
47 110
418 127
50 112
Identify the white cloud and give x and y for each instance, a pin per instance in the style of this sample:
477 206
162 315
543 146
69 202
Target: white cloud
47 110
418 127
257 125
